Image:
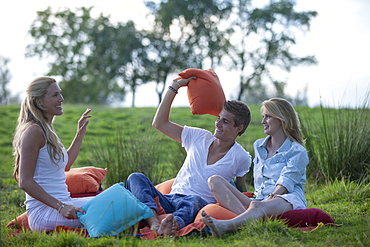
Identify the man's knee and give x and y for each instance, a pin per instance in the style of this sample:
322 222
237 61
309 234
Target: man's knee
135 176
135 179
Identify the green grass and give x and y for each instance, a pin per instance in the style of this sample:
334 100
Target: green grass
123 140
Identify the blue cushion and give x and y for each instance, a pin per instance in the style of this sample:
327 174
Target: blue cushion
113 211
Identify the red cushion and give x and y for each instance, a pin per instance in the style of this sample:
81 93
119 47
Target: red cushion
205 93
306 217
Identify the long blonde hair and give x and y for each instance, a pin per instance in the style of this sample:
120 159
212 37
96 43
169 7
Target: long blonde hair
31 113
284 111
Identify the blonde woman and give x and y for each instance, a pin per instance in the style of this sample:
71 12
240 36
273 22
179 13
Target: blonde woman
41 159
279 172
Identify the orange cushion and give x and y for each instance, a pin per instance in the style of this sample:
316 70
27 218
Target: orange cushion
84 179
205 93
165 187
216 211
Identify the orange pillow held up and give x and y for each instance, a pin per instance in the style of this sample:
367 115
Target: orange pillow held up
205 93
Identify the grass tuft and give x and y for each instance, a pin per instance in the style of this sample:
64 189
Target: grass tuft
338 144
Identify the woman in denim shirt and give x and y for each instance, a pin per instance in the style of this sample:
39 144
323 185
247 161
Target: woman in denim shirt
279 172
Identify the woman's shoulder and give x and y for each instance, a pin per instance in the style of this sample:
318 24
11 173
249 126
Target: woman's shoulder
298 146
261 141
297 150
33 129
34 133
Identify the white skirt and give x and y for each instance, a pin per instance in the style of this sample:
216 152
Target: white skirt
45 218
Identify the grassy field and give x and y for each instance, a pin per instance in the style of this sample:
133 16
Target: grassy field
123 140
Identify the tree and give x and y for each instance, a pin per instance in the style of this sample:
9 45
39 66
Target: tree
125 55
256 42
185 34
166 56
95 58
100 62
5 78
63 39
263 40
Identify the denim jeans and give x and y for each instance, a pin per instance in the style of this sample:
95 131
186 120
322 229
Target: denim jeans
183 207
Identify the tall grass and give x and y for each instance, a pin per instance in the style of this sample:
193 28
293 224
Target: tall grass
338 143
124 153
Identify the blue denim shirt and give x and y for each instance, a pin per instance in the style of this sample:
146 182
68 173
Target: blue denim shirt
287 168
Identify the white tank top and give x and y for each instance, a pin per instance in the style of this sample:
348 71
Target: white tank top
50 177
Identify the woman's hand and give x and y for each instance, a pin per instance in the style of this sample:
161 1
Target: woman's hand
279 190
83 122
74 149
69 211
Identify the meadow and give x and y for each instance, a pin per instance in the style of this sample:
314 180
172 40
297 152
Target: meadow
122 140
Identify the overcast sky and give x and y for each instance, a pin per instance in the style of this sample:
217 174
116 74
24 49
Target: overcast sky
339 38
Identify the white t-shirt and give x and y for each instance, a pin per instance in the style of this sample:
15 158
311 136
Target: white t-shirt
194 173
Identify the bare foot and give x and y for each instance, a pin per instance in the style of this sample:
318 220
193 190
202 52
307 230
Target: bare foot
153 222
168 226
213 224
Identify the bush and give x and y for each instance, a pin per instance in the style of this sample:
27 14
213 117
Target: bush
338 143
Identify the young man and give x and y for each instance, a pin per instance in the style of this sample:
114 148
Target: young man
207 155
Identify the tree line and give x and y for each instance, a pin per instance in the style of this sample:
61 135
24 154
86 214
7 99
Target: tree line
100 61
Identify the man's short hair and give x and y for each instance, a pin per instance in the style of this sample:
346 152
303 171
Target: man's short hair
241 112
